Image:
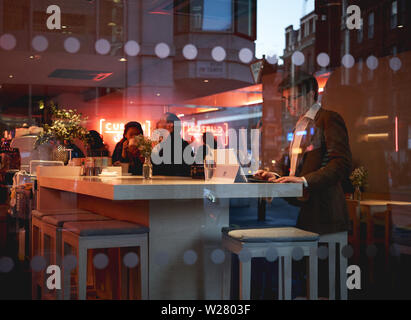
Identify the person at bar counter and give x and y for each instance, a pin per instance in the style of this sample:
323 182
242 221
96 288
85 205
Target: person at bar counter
95 145
172 141
126 152
318 157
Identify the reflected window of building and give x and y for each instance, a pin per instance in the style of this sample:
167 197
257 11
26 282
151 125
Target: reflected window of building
211 15
394 14
245 16
360 34
371 25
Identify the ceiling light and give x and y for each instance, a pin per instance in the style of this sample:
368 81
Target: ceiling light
11 76
400 26
111 24
63 27
206 81
122 59
158 94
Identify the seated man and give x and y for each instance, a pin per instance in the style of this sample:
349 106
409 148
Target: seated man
171 151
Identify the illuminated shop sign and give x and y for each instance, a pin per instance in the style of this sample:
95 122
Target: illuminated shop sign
192 130
116 129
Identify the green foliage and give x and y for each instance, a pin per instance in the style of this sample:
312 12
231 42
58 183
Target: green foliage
66 126
359 177
145 145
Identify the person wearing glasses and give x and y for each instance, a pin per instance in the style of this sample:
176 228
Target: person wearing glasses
319 157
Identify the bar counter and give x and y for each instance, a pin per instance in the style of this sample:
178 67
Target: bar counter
184 216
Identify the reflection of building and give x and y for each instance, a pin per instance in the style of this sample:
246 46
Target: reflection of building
303 40
138 80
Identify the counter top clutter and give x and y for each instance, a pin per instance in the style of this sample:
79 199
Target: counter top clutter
137 188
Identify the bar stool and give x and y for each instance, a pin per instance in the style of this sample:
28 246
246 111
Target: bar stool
36 230
50 245
332 240
284 240
82 236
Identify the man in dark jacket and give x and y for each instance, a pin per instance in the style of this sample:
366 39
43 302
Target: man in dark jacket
173 164
319 157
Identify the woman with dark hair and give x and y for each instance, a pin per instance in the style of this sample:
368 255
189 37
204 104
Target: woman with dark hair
125 152
95 145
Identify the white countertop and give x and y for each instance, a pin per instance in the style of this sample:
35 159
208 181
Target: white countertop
136 188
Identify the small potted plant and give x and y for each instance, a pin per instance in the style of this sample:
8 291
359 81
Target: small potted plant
359 179
145 146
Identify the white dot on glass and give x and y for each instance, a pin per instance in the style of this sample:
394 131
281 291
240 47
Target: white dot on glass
72 45
100 261
162 50
372 63
218 54
40 43
6 264
322 252
323 60
272 59
298 58
298 253
190 257
348 61
245 55
244 255
347 251
190 52
395 64
218 256
70 262
132 48
102 46
130 260
271 255
7 41
161 258
38 263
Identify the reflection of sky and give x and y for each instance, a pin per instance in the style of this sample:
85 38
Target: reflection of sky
273 16
218 13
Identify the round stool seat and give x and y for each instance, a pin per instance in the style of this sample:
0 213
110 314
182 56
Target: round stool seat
104 228
60 219
287 234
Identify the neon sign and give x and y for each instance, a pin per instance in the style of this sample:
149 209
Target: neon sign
196 131
116 129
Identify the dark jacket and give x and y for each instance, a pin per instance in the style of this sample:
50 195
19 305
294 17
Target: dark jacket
173 169
136 162
325 162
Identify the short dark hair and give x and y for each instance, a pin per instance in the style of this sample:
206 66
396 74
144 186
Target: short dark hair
133 124
171 117
303 81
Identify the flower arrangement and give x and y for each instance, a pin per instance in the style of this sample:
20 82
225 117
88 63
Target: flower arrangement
359 177
66 126
145 145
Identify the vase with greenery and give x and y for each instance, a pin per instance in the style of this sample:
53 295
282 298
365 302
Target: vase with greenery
65 127
145 146
359 178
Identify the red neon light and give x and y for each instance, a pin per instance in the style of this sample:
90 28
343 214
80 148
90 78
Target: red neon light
116 129
396 134
196 131
102 76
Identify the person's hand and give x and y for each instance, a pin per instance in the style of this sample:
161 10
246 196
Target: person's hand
286 180
125 145
264 174
133 149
